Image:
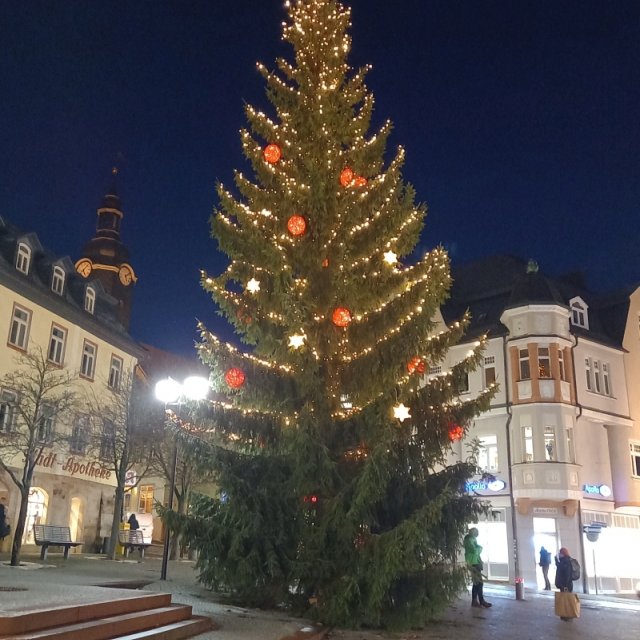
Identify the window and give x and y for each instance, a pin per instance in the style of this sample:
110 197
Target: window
489 371
544 364
57 280
79 435
464 383
90 299
145 503
550 452
527 444
23 258
56 344
19 330
45 423
8 401
108 440
115 373
579 313
488 453
525 371
598 376
561 364
635 458
435 371
88 363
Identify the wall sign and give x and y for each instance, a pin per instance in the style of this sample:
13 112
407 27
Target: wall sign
484 485
597 489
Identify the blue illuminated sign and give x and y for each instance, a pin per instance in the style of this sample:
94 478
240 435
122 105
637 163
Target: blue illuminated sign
484 485
597 489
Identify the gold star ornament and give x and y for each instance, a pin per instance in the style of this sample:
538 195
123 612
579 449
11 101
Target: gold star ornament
400 412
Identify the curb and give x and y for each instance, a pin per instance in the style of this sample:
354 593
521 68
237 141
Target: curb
315 632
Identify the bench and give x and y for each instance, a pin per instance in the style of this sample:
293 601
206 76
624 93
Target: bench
131 539
47 535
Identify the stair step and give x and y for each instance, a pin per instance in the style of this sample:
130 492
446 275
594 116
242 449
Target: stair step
175 631
26 621
112 626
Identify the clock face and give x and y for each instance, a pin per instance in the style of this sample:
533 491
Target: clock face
125 273
83 267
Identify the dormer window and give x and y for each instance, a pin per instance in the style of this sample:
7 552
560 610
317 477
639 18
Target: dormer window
579 313
23 258
90 299
57 280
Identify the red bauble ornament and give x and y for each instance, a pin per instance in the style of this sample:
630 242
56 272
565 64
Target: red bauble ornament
455 432
346 177
244 316
234 378
416 364
341 317
360 181
296 225
272 153
312 499
325 263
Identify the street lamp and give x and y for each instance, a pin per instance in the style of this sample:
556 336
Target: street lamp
170 391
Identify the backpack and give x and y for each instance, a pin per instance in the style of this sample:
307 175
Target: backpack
575 569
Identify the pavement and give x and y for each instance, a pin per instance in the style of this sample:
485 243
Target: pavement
40 584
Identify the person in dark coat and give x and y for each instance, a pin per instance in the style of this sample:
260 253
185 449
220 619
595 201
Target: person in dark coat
134 525
4 525
564 572
545 561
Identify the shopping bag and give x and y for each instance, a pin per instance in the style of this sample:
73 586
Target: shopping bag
567 604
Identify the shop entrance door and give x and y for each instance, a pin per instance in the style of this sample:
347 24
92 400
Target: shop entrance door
545 535
36 513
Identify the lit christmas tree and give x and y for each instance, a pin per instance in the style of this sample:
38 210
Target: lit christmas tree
331 442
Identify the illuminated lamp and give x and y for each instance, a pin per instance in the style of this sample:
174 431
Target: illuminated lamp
346 177
360 181
234 377
455 432
416 364
296 225
272 153
341 317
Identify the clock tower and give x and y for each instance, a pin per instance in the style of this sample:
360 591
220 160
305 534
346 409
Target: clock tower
105 258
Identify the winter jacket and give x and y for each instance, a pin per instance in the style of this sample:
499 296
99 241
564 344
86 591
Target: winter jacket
472 550
564 573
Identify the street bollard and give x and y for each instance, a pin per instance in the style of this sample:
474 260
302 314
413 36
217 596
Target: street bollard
519 588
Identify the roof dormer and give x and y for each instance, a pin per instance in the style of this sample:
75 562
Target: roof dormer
58 277
23 258
579 313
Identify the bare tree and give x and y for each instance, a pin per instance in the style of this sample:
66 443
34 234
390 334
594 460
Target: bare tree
124 435
44 399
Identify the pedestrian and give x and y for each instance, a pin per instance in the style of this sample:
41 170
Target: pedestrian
564 571
472 551
5 528
545 561
134 525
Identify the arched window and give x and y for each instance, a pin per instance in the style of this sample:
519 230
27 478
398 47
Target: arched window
23 258
90 300
57 280
579 313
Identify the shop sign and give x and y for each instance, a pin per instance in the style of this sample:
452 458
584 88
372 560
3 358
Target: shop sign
131 478
597 489
485 485
545 511
74 467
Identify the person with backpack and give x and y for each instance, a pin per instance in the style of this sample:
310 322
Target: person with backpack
564 571
567 570
545 561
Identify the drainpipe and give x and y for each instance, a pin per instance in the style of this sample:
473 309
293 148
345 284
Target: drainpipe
585 582
514 528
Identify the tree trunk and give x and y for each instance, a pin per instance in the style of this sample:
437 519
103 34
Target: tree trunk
19 528
176 537
115 524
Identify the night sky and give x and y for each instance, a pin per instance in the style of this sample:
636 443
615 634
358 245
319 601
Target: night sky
520 120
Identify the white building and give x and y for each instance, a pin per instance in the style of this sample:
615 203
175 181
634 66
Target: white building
45 303
562 436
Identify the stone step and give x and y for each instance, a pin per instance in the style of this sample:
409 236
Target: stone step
21 622
176 631
114 626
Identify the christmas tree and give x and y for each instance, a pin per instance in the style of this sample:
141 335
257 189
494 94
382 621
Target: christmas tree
330 441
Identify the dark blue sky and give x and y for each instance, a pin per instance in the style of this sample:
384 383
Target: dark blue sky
520 120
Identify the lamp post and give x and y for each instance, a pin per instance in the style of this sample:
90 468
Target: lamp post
170 391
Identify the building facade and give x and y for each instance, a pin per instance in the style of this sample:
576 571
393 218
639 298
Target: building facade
45 304
562 437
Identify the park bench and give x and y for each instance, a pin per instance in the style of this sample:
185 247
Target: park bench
47 535
131 539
